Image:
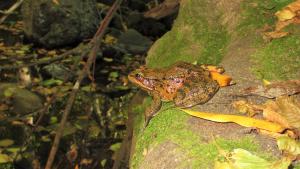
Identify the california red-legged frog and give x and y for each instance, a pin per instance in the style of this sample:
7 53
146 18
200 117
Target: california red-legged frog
184 83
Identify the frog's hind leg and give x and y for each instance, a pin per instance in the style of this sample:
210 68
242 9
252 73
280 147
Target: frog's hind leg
153 109
194 93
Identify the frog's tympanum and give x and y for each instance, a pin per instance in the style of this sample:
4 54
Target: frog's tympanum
183 83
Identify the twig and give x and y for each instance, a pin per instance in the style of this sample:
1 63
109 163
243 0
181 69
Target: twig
10 10
96 41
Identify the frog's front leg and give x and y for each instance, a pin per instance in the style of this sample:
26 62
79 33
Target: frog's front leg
153 109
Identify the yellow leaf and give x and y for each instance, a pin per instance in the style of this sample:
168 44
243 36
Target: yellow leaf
266 82
241 120
285 15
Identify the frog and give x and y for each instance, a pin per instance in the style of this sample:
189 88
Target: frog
183 83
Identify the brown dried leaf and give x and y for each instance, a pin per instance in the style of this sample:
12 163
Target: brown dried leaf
244 107
275 34
164 9
288 12
286 16
275 89
285 111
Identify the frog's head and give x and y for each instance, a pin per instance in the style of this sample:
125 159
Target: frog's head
139 78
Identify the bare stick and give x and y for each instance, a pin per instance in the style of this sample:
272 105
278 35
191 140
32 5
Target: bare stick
10 10
92 55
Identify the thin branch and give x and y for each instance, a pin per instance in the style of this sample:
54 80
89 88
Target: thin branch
96 41
10 10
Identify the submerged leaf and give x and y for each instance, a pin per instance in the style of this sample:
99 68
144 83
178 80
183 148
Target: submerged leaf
4 158
6 142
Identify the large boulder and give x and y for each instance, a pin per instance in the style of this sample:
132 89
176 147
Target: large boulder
57 24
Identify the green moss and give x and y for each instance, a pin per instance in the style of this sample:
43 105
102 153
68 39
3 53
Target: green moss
256 14
195 37
297 166
162 127
280 58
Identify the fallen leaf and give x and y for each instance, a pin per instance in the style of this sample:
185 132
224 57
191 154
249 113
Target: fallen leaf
289 11
213 68
56 2
245 107
275 34
241 120
3 107
284 111
222 79
243 159
275 89
164 9
6 142
4 158
289 145
223 165
288 15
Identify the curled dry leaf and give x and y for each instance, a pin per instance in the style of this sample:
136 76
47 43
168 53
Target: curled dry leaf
289 145
275 89
216 73
284 111
222 79
168 7
213 68
247 108
288 15
289 12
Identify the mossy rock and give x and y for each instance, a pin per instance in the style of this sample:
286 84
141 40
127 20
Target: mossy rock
214 32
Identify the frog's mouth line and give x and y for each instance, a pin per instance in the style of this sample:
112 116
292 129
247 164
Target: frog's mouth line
145 84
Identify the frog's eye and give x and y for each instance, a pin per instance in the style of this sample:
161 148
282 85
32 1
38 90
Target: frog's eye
139 75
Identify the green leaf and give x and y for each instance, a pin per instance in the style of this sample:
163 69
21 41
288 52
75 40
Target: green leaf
108 59
46 138
9 92
6 142
115 147
103 162
53 120
52 82
94 131
113 74
13 149
243 159
4 158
